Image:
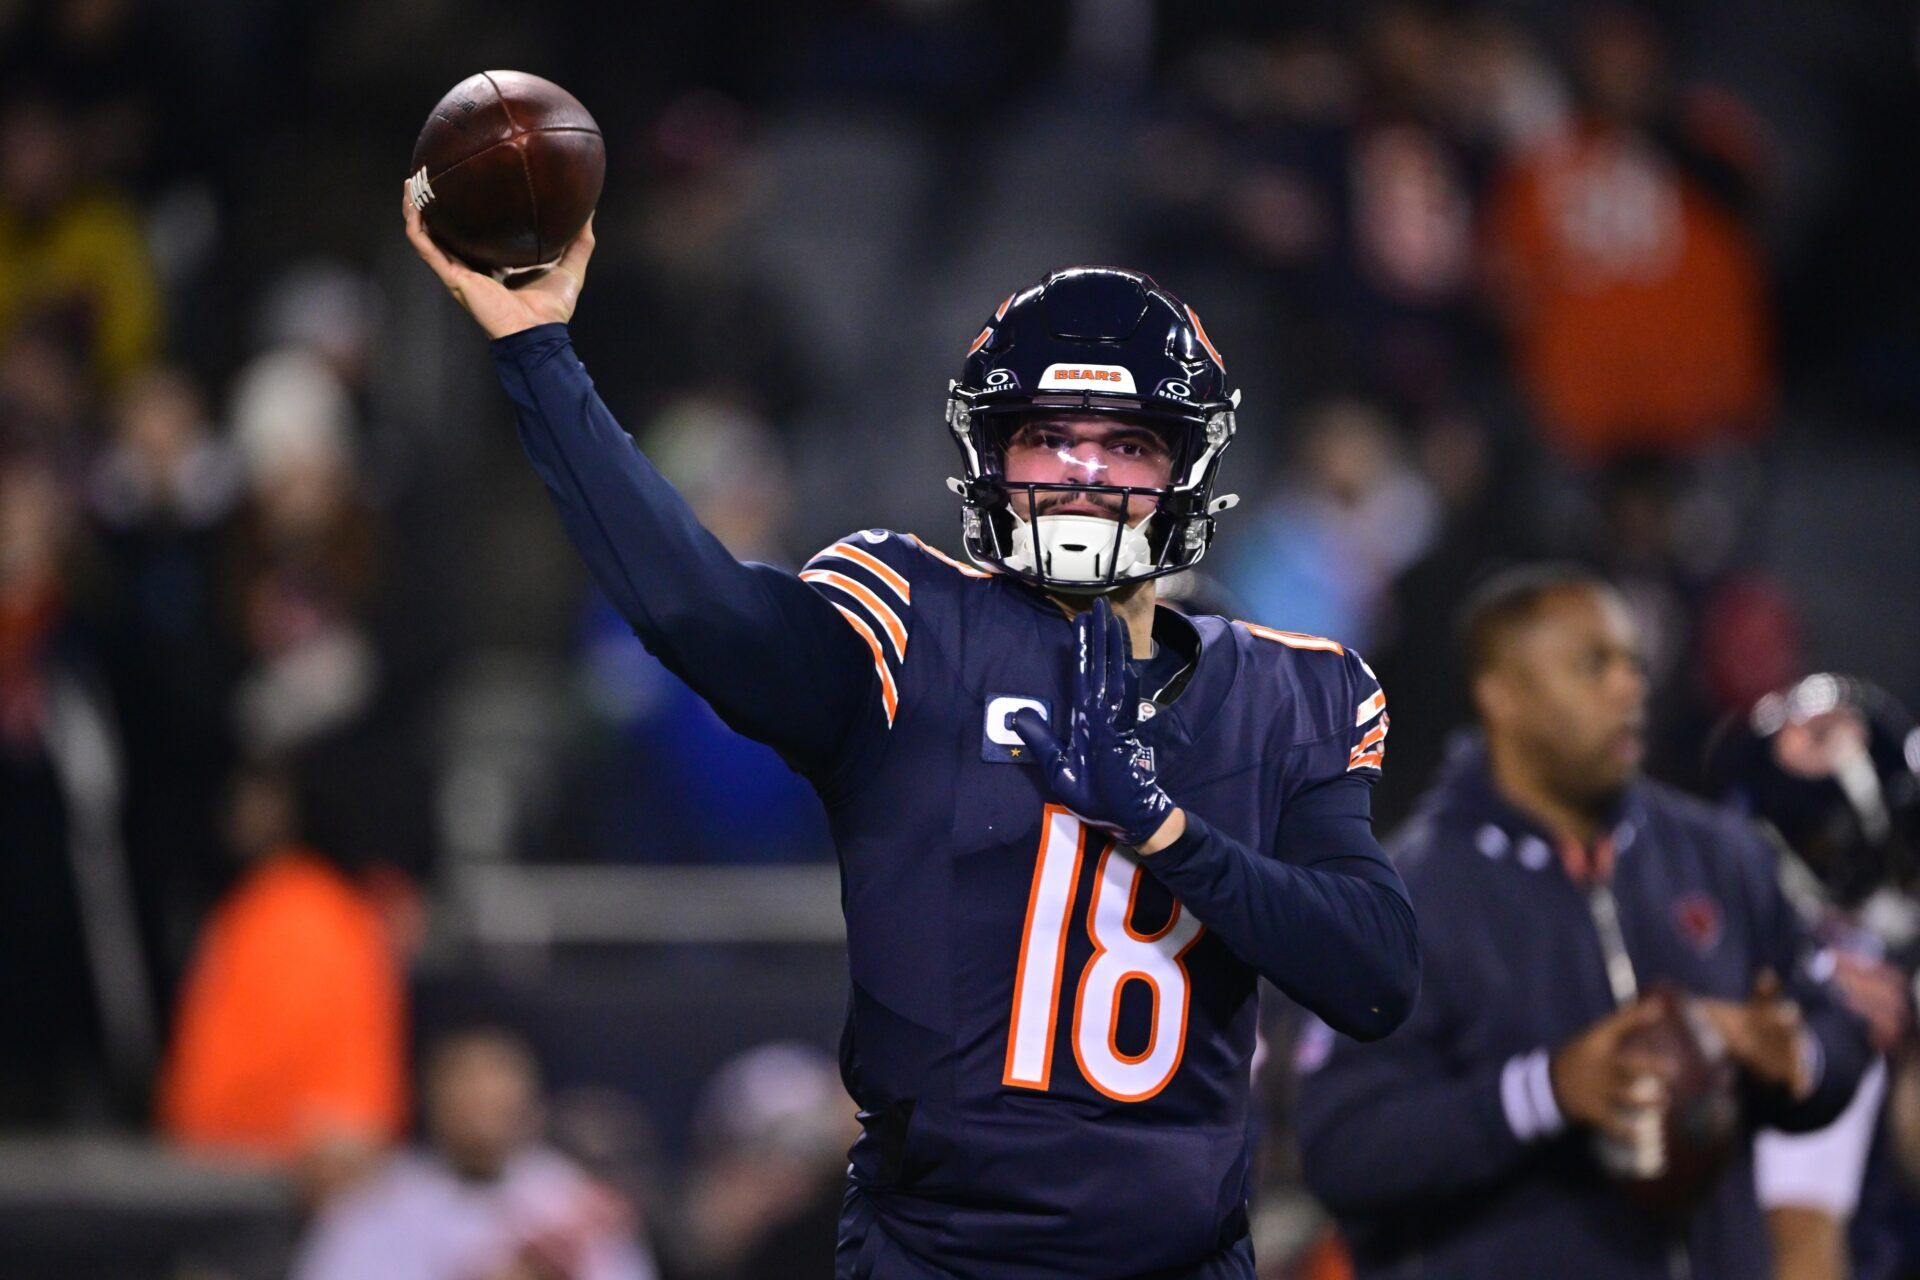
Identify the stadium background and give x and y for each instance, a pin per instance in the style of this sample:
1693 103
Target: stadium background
1625 284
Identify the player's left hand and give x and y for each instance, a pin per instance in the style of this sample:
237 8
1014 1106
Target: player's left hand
1766 1035
1101 770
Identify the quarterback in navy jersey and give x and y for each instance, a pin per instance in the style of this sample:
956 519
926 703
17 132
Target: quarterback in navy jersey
1074 829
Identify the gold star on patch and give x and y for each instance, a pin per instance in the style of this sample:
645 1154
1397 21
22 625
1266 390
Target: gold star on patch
1014 752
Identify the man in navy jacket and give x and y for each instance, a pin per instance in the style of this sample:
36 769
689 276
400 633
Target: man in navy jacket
1554 884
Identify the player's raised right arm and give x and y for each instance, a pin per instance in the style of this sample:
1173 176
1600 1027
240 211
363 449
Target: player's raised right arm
769 653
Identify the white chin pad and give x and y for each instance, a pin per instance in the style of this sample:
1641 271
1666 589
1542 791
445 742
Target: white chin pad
1079 550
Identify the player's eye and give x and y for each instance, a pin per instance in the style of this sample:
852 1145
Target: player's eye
1138 447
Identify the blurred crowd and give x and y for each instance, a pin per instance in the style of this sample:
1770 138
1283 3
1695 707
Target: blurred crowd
286 630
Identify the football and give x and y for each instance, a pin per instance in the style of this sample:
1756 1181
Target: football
1673 1165
507 170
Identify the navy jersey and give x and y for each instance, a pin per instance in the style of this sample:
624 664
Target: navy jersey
1049 1036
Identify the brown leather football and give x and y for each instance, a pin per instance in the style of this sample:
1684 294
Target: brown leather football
1676 1162
506 170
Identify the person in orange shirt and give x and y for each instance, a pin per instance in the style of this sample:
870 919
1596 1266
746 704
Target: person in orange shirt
290 1041
1633 289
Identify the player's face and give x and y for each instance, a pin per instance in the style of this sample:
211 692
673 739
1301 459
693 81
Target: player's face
1577 692
1086 449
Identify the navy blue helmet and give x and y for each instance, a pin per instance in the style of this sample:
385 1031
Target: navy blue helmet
1100 340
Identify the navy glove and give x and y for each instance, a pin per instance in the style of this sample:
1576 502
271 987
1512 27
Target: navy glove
1101 771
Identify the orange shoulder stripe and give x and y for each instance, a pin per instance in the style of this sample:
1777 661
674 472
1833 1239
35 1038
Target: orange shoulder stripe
948 560
896 630
889 693
1295 639
871 563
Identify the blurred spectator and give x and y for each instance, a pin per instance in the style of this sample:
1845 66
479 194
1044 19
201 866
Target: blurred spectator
1348 179
1480 522
306 553
1717 631
107 61
676 784
325 308
612 1137
1412 175
46 402
683 270
163 494
50 1048
329 313
485 1200
290 1044
72 258
1623 258
1344 520
763 1200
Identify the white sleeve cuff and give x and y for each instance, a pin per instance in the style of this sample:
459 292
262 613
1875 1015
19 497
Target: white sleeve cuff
1822 1170
1526 1095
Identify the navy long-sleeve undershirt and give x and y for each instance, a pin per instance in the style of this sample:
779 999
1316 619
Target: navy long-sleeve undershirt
1329 922
771 656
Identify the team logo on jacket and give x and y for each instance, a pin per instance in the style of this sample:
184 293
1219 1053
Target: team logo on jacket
1697 916
999 744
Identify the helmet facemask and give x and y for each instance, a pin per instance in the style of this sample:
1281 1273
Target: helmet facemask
1077 553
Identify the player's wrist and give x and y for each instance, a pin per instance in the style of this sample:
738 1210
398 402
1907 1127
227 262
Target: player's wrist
1168 831
526 336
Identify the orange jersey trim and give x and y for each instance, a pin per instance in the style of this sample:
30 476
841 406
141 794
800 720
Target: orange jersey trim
889 693
1009 1074
1100 949
1153 1024
1295 639
948 560
872 564
887 618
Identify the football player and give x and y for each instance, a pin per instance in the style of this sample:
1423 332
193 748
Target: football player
1074 829
1829 769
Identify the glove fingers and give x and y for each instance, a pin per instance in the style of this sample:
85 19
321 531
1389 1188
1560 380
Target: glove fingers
1039 738
1097 619
1120 675
1083 669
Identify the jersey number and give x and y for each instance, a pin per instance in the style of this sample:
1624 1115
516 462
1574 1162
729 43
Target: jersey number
1121 954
